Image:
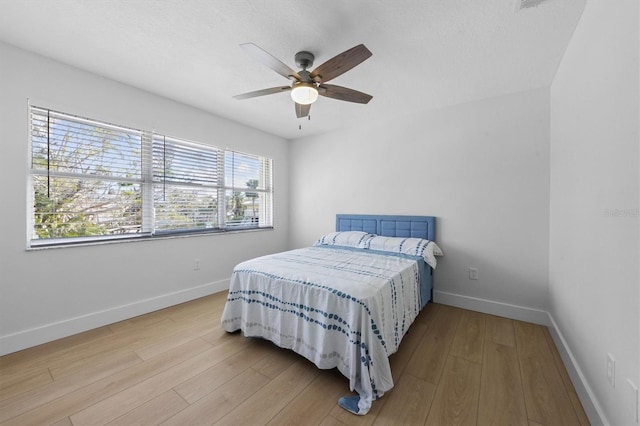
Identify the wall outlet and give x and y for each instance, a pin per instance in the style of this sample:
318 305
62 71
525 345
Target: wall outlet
196 264
632 400
611 370
473 273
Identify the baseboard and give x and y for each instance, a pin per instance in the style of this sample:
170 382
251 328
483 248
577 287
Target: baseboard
491 307
50 332
585 394
536 316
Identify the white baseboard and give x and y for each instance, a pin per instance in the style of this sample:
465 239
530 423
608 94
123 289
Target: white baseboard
50 332
536 316
585 394
491 307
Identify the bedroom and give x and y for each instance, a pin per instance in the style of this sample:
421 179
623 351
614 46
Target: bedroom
516 211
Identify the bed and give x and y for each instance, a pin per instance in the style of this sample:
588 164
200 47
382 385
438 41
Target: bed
345 302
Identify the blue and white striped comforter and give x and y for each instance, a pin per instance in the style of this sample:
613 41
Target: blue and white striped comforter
338 307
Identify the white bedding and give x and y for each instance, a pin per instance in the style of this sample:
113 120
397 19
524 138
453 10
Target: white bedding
338 307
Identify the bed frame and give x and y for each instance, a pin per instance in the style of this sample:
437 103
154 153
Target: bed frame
389 225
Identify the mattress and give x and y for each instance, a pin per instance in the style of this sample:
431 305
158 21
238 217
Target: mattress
339 307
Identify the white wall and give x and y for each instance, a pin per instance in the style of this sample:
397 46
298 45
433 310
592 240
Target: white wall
482 168
46 294
594 255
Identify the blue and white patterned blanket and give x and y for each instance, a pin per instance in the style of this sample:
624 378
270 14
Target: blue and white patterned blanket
338 307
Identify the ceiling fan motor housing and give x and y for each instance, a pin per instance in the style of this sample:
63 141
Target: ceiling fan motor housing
304 59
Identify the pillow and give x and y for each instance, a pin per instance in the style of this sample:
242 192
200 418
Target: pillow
344 238
413 246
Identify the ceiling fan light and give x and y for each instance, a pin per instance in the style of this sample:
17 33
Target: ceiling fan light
304 94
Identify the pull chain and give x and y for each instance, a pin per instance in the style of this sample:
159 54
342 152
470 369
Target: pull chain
300 125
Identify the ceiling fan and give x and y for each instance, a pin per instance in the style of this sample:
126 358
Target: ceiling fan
307 85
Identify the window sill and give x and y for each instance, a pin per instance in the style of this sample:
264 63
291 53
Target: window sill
131 239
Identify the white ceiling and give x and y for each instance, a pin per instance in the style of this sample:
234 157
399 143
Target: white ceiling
427 54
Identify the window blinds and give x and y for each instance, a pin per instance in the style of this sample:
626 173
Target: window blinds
186 182
86 177
95 180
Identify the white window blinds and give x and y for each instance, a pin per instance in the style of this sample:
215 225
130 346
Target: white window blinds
94 180
248 190
186 179
86 177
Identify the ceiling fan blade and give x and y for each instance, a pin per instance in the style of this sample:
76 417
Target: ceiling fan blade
302 110
341 63
343 94
269 60
263 92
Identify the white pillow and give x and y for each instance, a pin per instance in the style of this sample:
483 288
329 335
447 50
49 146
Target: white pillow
344 238
413 246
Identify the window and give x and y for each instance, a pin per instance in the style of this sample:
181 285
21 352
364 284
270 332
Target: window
186 182
94 181
247 190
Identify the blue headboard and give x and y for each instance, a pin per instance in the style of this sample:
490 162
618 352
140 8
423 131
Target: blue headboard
389 225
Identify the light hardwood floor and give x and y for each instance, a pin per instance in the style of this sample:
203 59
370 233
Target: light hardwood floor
177 367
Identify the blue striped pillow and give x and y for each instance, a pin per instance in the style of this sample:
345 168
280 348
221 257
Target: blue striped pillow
413 246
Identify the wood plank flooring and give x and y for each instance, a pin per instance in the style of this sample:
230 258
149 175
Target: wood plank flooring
177 366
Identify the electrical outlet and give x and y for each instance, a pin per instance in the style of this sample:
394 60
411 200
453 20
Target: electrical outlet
196 264
473 273
611 370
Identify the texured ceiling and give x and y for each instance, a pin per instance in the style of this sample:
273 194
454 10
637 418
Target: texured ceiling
427 54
